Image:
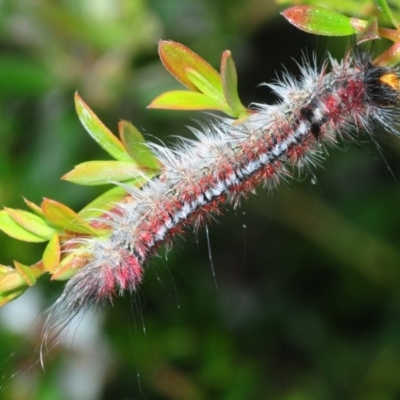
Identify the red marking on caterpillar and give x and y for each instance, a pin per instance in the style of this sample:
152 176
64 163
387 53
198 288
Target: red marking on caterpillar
226 163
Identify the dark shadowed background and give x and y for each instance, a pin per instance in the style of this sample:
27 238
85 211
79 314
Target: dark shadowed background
305 304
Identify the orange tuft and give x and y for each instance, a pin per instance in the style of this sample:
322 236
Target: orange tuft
391 80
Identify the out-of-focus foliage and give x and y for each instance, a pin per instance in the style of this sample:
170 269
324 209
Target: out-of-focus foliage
306 304
328 22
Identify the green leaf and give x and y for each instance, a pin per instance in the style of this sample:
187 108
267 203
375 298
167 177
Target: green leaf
35 208
51 255
65 218
319 21
229 83
384 7
99 132
25 226
184 100
25 273
16 231
205 86
135 145
14 281
104 172
178 59
6 297
104 202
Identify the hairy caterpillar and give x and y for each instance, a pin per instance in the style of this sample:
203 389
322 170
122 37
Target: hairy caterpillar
226 163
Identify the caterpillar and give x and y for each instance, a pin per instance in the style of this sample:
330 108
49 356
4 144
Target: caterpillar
225 163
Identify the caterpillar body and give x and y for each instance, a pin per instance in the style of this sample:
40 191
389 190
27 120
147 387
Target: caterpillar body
227 162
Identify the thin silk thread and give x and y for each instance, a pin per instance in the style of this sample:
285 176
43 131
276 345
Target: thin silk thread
226 163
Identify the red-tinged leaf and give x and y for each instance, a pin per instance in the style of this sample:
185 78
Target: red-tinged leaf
31 223
99 132
370 32
177 59
389 57
35 208
70 265
319 21
205 86
51 255
229 83
66 219
11 280
37 269
26 273
14 282
16 231
391 34
93 173
184 100
135 145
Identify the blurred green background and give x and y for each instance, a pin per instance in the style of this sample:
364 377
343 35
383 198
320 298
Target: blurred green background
305 304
